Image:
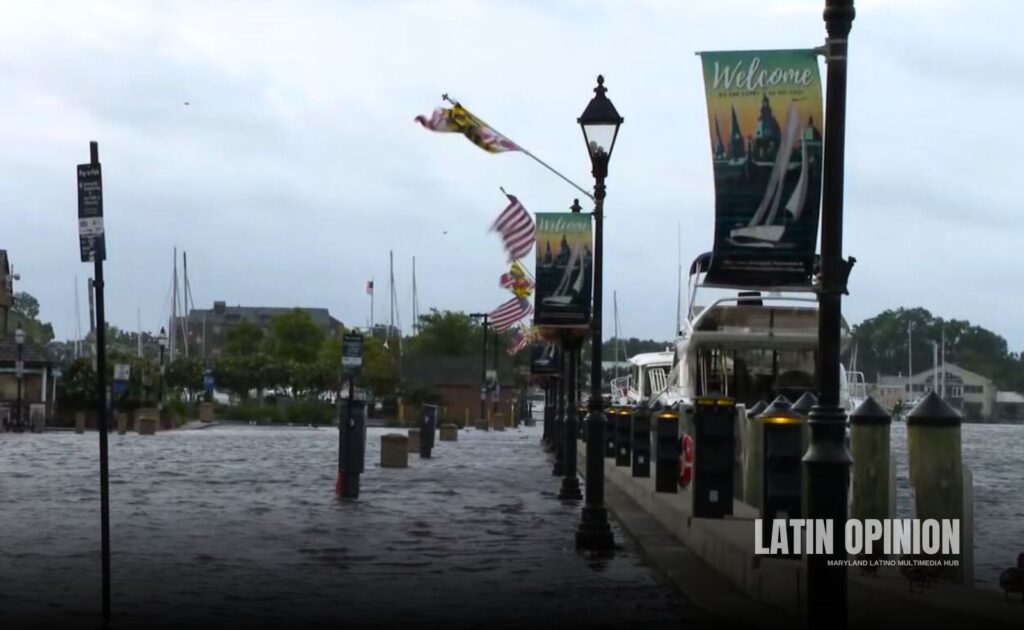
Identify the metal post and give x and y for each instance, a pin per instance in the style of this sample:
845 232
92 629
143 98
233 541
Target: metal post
21 370
570 481
593 532
483 368
558 430
827 461
101 405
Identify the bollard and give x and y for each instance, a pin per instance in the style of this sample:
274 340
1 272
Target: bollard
352 449
936 471
739 429
394 451
465 422
206 412
413 442
498 421
752 456
714 453
623 436
122 422
79 422
666 450
640 425
146 421
870 448
428 424
803 407
449 433
401 414
782 472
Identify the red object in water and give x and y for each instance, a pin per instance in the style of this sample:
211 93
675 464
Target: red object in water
337 485
686 461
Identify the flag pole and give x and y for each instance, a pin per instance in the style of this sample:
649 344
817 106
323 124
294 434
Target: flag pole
527 153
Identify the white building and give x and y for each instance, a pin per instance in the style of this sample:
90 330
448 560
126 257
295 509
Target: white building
970 393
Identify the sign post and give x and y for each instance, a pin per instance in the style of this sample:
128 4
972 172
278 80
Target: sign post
92 246
350 430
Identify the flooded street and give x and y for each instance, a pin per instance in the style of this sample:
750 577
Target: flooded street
239 525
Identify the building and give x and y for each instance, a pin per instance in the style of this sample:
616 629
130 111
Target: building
1009 407
457 381
37 383
970 393
207 328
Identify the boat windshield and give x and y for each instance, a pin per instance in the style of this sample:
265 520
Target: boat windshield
753 374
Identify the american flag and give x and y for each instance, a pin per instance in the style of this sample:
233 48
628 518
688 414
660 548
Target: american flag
520 340
369 287
509 313
516 228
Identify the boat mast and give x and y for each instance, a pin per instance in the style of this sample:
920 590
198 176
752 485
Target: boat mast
138 321
942 383
615 303
184 302
910 360
78 323
679 279
171 328
415 301
935 367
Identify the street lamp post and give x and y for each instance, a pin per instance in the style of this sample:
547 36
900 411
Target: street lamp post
483 367
162 342
600 122
19 369
827 461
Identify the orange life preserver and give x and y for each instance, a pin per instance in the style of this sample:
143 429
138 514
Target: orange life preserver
685 460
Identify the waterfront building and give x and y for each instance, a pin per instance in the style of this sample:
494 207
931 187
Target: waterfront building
208 328
968 392
37 385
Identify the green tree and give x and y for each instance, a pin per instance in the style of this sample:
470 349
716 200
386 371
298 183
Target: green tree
295 337
76 388
243 339
25 315
446 333
184 373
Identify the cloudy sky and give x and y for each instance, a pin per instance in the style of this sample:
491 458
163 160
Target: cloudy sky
297 166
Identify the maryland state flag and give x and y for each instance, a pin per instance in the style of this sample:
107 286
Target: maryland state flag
459 120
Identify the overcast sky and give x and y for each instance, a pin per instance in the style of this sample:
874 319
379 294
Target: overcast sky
297 166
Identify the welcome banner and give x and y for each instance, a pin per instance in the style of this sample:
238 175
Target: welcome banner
764 115
565 269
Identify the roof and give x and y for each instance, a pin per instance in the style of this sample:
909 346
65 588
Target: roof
31 352
652 358
1010 398
885 380
320 316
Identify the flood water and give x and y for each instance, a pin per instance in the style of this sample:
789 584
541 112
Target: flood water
238 526
995 455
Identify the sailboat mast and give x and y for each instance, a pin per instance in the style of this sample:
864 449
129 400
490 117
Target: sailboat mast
942 383
78 323
138 322
184 302
910 359
391 291
615 309
679 279
415 301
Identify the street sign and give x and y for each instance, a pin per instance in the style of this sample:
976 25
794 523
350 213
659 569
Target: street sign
351 354
122 371
90 212
208 382
119 387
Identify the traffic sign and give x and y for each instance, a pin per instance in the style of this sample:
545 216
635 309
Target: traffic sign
351 354
122 371
90 212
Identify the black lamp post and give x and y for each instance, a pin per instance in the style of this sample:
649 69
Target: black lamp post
827 461
600 123
162 342
19 369
483 367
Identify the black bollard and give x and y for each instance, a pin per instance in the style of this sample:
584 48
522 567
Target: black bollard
714 449
352 448
428 426
641 435
623 436
782 480
610 414
666 466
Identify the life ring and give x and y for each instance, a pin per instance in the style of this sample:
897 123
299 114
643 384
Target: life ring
685 460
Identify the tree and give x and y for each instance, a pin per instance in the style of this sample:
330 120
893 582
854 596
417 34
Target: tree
446 333
243 339
24 314
185 373
295 337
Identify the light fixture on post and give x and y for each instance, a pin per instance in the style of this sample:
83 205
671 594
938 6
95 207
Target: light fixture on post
600 123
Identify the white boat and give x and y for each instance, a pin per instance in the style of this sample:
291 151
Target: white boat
647 377
750 347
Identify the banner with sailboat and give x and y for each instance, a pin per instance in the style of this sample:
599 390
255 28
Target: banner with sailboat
564 269
544 358
764 115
